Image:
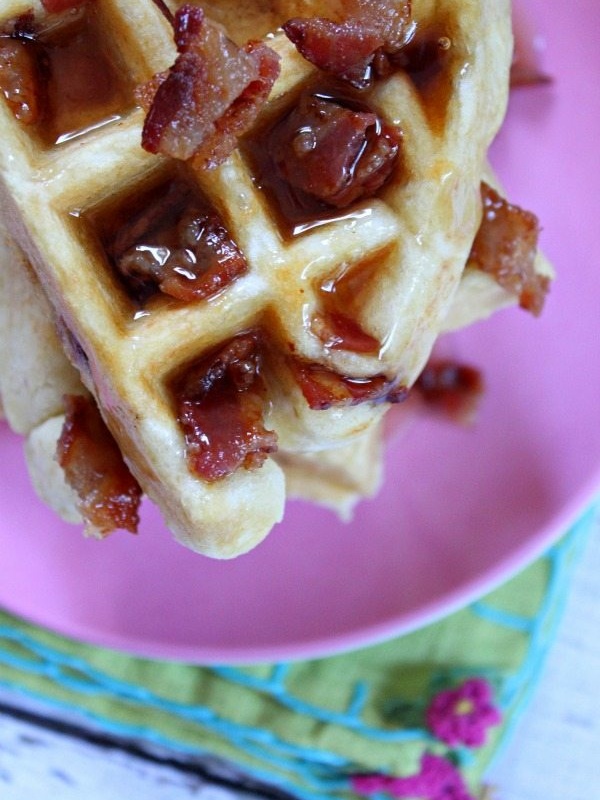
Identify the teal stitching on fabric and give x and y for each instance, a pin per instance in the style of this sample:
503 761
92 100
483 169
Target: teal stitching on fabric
53 662
349 718
359 700
503 618
319 769
244 736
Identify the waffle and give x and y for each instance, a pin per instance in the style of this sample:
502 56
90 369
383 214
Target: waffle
405 251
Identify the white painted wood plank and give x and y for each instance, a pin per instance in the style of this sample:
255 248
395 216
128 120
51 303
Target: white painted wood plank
40 764
37 763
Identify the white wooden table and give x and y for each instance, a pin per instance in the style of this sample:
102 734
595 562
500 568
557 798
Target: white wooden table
553 755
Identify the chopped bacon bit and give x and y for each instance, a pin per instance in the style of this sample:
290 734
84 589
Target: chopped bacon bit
332 152
350 48
505 247
210 96
109 495
339 332
19 79
220 406
323 388
450 389
180 246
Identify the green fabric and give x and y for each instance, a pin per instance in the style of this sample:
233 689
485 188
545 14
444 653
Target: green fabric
306 726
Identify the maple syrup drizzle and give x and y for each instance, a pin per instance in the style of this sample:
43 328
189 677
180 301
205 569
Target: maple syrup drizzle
76 80
341 298
426 61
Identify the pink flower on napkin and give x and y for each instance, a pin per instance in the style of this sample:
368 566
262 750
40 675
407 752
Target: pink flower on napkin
464 714
438 779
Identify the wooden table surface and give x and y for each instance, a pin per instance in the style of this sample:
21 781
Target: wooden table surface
552 755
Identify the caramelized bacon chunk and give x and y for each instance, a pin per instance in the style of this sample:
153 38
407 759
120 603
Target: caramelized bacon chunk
109 495
327 150
337 331
450 389
352 47
220 406
19 79
323 388
505 247
178 245
210 96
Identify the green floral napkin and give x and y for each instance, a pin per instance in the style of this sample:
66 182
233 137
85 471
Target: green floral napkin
419 716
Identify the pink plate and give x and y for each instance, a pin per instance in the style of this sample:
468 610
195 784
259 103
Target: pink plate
460 510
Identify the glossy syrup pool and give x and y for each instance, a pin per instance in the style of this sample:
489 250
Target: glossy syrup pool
150 227
75 73
297 210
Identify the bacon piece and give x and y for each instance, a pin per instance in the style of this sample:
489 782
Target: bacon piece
220 406
19 79
450 389
211 95
323 388
109 495
179 246
505 247
340 332
332 152
370 31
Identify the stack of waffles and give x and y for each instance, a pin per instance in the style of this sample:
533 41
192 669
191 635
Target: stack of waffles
272 380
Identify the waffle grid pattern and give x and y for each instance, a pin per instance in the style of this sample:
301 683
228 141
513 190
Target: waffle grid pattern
424 220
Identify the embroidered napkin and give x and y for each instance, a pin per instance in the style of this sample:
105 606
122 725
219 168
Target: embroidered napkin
419 716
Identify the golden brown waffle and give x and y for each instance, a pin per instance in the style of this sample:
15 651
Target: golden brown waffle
411 241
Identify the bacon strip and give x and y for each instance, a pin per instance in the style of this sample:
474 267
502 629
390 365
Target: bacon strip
505 247
332 152
220 406
323 388
350 48
210 96
109 495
